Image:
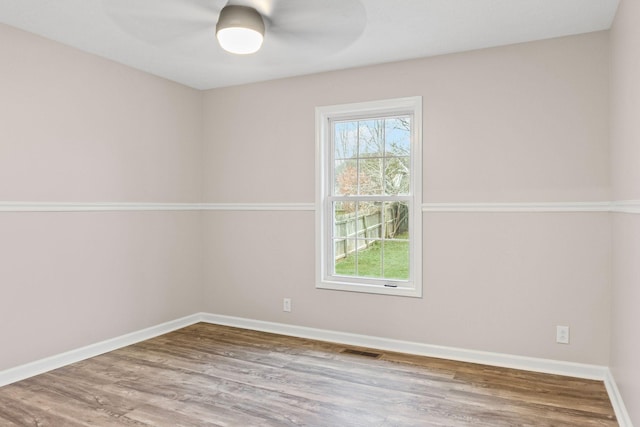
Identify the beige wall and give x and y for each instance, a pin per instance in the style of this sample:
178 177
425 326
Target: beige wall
78 128
625 141
523 123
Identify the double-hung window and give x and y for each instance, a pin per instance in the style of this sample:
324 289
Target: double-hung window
368 197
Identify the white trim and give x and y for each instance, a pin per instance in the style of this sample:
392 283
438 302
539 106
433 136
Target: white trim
624 420
258 206
115 206
518 207
578 370
626 206
620 206
92 207
548 366
22 372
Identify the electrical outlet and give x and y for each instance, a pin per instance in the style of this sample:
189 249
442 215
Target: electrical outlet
286 304
562 334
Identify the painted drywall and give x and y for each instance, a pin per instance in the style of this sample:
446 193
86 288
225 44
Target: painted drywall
625 102
625 148
522 123
78 128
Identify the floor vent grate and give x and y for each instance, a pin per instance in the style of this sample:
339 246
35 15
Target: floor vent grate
361 353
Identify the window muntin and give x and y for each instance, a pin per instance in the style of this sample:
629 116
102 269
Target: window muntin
368 197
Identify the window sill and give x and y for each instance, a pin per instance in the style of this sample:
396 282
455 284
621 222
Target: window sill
404 291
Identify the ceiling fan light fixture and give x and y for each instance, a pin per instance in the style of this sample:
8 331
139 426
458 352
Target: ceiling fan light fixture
240 29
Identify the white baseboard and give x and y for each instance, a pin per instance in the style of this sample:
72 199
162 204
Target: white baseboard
578 370
22 372
624 420
463 355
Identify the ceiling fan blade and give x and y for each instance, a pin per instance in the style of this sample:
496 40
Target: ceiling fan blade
314 27
162 22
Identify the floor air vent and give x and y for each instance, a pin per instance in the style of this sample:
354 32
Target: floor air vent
361 353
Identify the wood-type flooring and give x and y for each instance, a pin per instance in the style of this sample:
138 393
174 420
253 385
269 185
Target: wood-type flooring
211 375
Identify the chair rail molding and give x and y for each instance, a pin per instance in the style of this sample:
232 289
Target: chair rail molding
621 206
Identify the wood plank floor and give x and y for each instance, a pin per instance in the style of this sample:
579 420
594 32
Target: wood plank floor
209 375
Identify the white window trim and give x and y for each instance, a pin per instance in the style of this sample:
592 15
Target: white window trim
324 115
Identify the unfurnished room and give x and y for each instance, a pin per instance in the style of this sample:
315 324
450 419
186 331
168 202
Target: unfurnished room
320 213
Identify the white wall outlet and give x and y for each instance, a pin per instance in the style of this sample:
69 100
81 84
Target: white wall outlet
562 334
286 304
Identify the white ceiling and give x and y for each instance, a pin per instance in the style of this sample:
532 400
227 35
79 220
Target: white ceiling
175 39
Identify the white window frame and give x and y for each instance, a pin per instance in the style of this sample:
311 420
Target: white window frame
325 115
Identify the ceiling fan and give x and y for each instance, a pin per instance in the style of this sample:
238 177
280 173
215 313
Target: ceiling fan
291 28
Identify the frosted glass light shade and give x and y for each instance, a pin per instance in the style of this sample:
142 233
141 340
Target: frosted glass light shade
239 40
240 30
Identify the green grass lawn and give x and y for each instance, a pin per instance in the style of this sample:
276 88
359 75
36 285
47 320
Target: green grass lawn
370 262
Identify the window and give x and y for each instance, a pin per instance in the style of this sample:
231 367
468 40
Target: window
368 198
